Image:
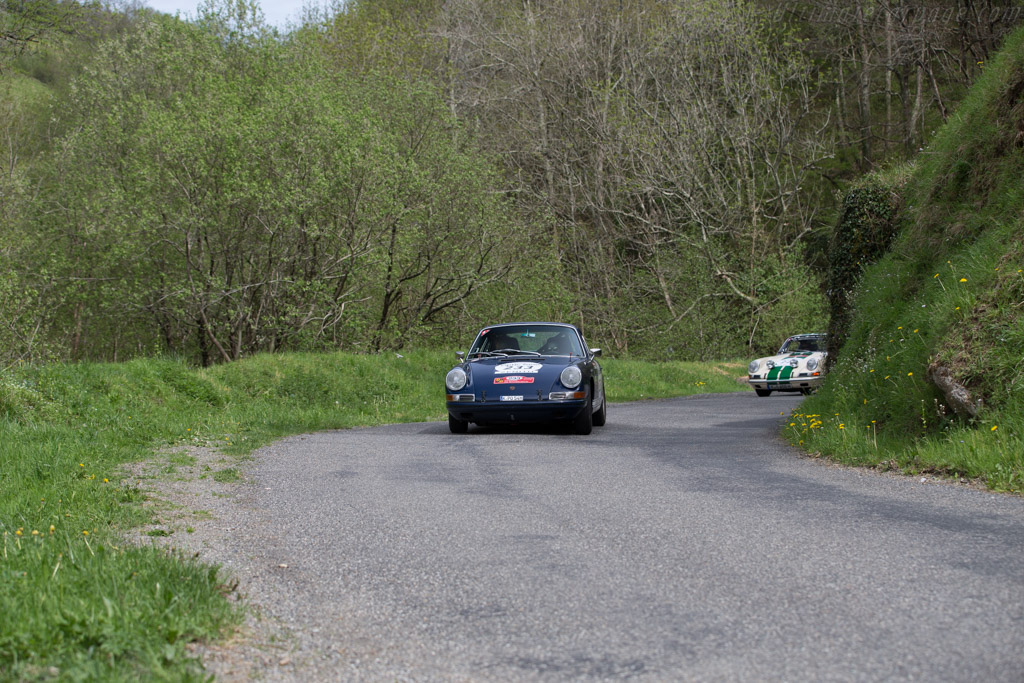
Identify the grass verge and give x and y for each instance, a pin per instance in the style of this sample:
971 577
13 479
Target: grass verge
880 409
76 602
948 296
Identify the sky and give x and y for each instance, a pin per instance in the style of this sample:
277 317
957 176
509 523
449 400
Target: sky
276 12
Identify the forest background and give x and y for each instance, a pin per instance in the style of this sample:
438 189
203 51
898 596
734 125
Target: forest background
395 173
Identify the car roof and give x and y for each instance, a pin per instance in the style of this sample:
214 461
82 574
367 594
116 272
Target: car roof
535 322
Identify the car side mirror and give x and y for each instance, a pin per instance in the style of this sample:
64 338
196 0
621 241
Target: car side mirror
596 352
461 355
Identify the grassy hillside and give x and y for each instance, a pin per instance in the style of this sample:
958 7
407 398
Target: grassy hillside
75 600
931 377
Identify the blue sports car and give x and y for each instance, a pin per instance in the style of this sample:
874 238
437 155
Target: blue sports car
527 372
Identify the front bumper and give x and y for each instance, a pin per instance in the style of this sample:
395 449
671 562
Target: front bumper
515 412
795 382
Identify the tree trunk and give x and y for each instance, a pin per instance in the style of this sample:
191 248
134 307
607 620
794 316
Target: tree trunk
915 115
888 76
865 88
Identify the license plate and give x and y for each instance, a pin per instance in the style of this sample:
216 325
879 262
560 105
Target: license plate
512 397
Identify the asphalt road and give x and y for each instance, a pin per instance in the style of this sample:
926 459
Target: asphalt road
683 541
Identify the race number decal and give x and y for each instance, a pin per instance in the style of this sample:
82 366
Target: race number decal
518 368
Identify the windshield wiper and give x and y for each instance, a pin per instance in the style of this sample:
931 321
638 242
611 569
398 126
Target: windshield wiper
504 352
516 352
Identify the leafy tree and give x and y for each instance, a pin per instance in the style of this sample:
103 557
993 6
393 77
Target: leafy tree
25 23
223 187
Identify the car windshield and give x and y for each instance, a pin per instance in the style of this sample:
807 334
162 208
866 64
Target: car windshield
794 345
548 340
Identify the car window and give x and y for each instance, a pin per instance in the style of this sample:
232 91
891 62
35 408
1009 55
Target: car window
816 344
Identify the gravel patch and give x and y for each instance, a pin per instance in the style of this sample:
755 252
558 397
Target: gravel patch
199 498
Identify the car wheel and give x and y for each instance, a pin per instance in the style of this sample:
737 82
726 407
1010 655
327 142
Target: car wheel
584 422
763 392
601 415
457 426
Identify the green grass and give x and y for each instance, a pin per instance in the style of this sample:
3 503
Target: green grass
879 408
76 601
227 475
951 291
634 380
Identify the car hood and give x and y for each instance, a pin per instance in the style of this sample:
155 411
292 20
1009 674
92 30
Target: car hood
799 356
525 372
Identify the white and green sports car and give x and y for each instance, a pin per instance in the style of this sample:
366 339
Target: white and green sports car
798 366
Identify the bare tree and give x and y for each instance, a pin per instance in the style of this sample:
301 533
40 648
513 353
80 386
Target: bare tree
910 57
656 132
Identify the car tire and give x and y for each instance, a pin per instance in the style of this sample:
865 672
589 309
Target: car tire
601 415
763 392
584 422
457 426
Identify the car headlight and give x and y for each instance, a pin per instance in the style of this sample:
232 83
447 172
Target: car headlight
812 363
770 364
752 368
456 379
571 377
793 362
